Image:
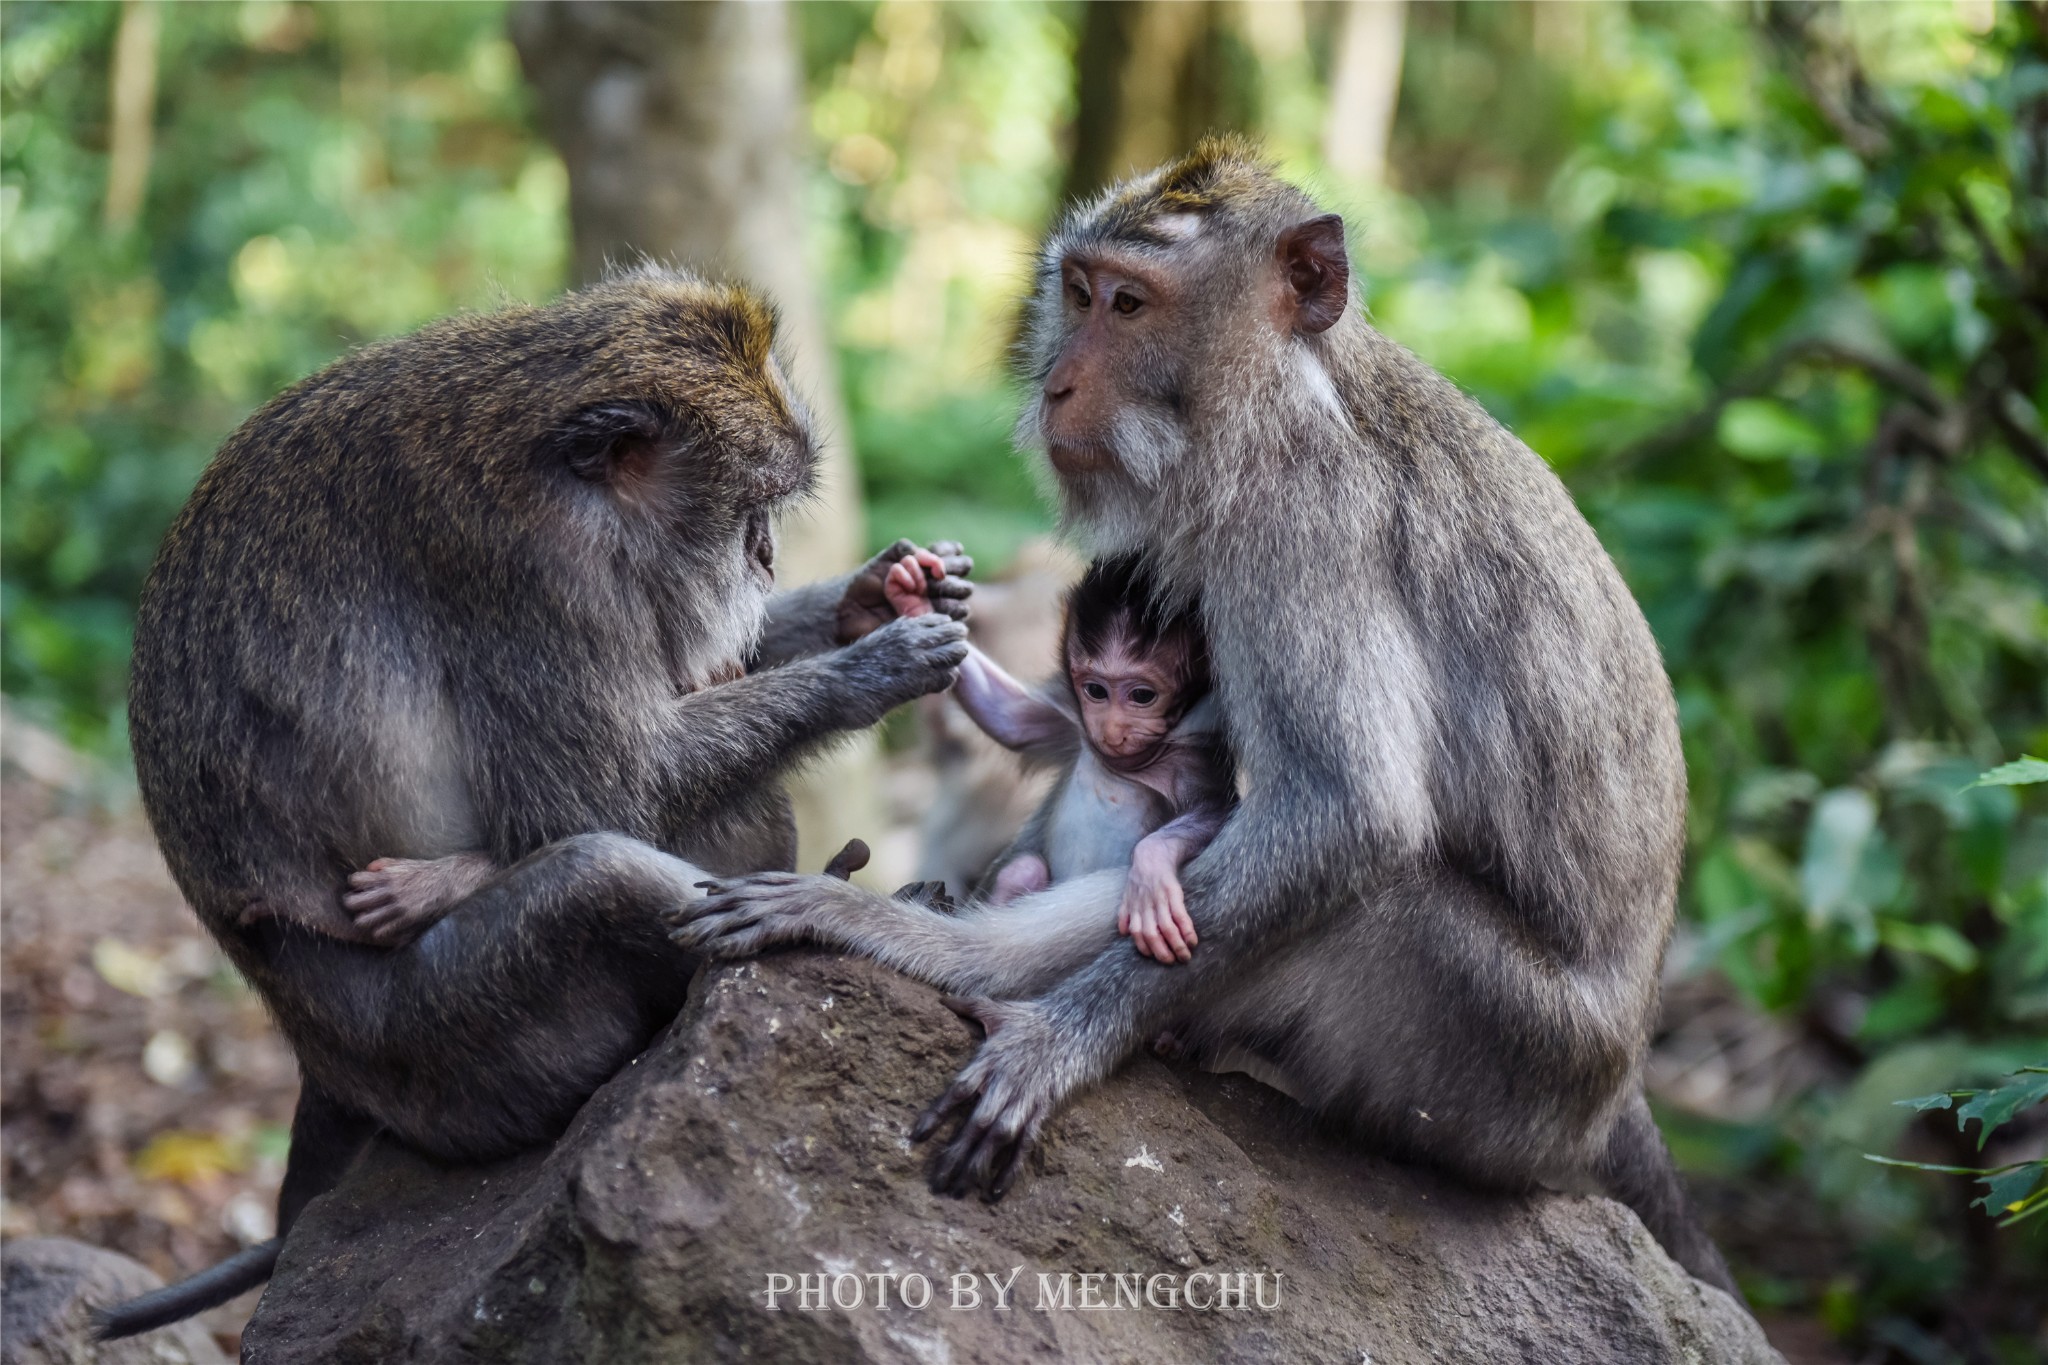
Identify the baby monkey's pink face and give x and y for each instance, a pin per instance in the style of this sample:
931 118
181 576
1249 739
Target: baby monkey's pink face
1129 701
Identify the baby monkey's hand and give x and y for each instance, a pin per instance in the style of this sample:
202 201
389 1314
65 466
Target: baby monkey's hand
907 588
1154 913
941 585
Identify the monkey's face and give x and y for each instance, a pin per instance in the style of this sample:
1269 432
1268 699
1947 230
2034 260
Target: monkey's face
1129 700
1111 403
1178 315
682 442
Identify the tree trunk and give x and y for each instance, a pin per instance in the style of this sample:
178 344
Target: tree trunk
1151 78
1365 85
678 125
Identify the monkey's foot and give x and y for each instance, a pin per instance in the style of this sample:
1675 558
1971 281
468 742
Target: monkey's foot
742 916
1002 1099
395 900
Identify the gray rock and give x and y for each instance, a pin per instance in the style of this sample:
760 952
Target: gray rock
49 1286
762 1140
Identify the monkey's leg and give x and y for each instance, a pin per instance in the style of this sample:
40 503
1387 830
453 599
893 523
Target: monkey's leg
982 949
1412 1014
325 1139
486 1034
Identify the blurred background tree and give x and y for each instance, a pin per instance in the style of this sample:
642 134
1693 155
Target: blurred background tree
1768 284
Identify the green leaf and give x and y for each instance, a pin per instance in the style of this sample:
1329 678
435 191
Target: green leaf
2006 1190
1941 1100
1938 941
2021 772
1843 824
1993 1107
1758 429
1922 1165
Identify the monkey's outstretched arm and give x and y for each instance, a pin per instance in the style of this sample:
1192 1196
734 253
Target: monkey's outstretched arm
711 739
837 611
1010 713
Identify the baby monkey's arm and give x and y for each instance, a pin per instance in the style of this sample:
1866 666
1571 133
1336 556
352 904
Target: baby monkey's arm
1154 913
1007 711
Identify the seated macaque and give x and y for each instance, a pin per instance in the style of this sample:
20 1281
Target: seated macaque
1149 780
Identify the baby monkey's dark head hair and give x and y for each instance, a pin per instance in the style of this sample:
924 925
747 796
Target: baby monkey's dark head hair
1115 606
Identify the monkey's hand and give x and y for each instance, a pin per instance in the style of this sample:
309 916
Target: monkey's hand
1154 912
1001 1099
902 661
866 606
742 916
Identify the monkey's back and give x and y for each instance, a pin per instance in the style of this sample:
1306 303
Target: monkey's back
351 646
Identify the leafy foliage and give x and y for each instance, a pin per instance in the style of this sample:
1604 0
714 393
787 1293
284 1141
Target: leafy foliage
1768 286
321 176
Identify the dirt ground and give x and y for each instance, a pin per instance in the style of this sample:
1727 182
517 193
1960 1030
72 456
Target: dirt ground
145 1101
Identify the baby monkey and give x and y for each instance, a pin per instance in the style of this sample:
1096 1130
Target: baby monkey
1148 779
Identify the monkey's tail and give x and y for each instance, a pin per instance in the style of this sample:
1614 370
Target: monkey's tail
1637 1170
208 1289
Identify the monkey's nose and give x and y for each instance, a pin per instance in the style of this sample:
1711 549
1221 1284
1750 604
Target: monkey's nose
1059 385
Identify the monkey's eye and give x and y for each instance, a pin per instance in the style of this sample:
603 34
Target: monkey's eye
1126 303
1095 691
1079 294
1143 696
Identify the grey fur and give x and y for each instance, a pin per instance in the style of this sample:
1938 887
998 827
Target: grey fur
1441 904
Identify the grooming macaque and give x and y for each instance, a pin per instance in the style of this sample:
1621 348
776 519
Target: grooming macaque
1146 781
1439 907
460 667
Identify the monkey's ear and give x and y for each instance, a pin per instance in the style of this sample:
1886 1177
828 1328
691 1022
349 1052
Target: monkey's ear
1318 271
608 441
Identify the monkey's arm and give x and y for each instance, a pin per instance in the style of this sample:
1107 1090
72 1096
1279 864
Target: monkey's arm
837 611
736 732
1010 713
1154 909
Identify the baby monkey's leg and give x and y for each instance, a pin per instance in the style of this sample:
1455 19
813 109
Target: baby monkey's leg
1020 876
395 900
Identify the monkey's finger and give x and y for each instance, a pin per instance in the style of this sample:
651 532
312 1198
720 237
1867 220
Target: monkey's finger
1007 1174
949 586
1169 933
848 860
955 557
361 902
376 925
951 1174
956 1094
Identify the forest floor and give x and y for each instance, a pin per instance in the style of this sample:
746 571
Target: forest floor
145 1100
